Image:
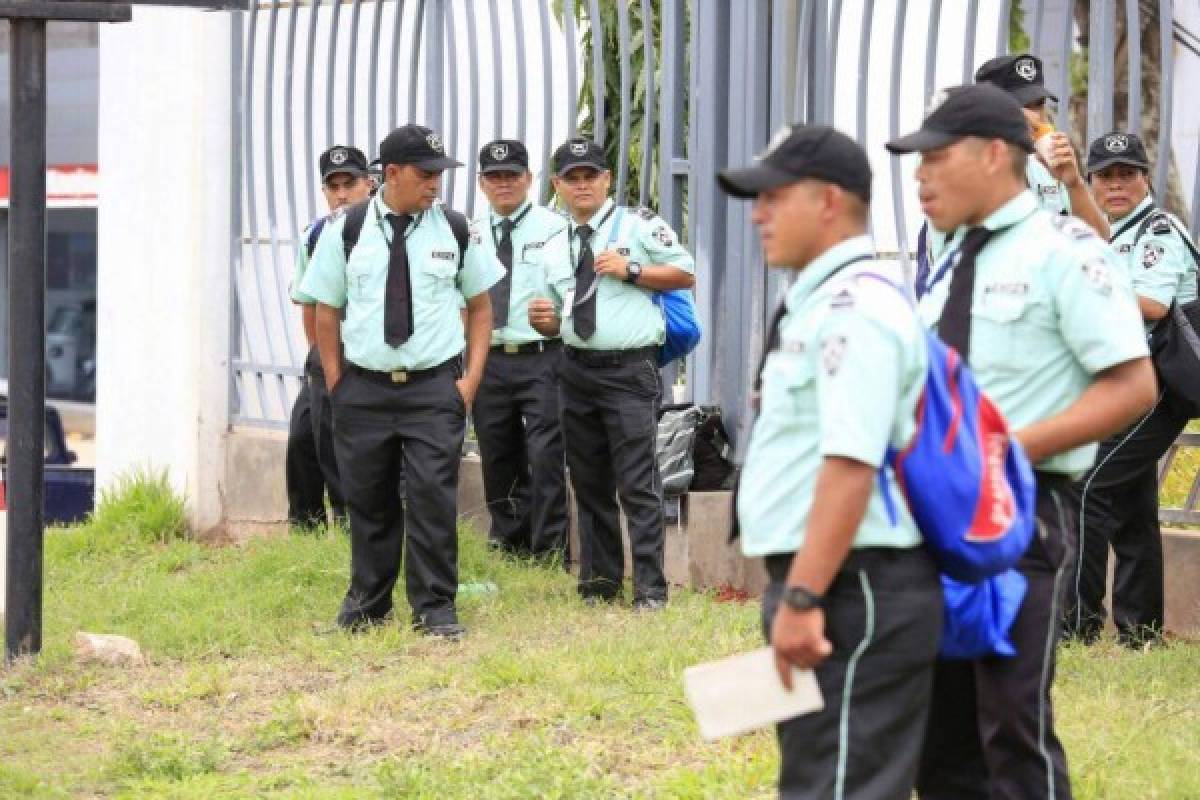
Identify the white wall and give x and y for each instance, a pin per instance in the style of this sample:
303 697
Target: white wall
164 251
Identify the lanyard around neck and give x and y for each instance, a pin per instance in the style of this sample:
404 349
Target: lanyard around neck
515 222
383 229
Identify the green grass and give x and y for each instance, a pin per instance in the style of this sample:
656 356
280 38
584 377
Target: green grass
546 698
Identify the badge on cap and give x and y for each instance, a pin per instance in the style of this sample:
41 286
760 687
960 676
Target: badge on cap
1117 143
579 148
338 157
936 100
499 151
435 142
1026 68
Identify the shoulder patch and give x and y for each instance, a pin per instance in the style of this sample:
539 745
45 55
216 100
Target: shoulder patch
663 235
1160 225
1098 275
1152 254
833 352
646 213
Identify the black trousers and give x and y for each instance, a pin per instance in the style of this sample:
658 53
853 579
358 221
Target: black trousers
302 470
521 445
883 617
378 427
991 725
1118 508
610 421
322 433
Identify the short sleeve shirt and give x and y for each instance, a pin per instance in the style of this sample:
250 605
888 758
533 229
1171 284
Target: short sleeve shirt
1159 263
301 261
1051 308
626 315
536 227
439 285
844 381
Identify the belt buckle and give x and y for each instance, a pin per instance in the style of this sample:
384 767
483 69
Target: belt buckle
512 349
399 376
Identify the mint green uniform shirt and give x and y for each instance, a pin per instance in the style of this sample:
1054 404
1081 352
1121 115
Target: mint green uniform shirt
1051 195
845 381
438 287
1050 310
301 264
626 316
1160 265
537 227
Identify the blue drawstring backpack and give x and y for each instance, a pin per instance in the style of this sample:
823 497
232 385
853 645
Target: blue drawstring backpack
970 490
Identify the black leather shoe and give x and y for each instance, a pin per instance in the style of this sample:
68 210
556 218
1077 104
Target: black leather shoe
650 604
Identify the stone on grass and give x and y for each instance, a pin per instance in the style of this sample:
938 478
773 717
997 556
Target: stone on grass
108 649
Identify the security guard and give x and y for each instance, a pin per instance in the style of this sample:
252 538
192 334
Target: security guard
605 269
400 394
1119 497
516 414
1035 304
1053 175
310 461
852 593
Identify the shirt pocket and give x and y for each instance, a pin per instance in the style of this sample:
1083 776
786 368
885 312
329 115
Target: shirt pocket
438 277
1003 325
789 387
531 276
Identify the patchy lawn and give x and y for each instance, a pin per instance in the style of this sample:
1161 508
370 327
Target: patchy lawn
546 698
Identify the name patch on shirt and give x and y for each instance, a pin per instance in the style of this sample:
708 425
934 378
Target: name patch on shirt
794 346
1011 289
444 255
532 246
1125 249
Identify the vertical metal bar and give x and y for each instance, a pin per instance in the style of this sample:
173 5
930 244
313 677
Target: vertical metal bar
671 140
1101 78
1133 36
450 109
523 77
598 74
475 110
435 86
864 67
931 48
624 35
497 70
822 92
309 62
289 130
331 71
831 61
26 338
373 77
352 71
1003 21
969 41
1166 32
649 103
236 401
894 131
415 61
269 151
572 69
394 74
801 105
1039 13
547 98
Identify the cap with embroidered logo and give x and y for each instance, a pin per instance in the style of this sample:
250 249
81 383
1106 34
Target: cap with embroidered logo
578 152
1117 147
416 145
503 155
1021 76
342 159
799 152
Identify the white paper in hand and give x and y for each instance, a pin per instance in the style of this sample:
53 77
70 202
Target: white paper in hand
743 692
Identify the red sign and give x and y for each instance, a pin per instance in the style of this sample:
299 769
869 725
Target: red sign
67 186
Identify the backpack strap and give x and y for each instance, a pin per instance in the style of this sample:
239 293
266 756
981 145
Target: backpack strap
458 224
355 216
314 234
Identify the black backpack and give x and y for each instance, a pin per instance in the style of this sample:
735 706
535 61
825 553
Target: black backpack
357 214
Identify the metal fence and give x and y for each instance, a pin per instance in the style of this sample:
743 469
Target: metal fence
716 78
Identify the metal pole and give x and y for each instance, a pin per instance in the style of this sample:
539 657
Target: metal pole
26 337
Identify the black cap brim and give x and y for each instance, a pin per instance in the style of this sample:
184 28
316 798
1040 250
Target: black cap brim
1110 160
343 170
1028 95
922 141
517 168
577 164
753 181
437 164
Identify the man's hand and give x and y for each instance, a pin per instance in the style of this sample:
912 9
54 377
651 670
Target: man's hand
468 387
1061 160
543 316
610 262
798 638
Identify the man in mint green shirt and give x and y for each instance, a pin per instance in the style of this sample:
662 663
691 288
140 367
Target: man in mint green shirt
1034 303
1118 503
603 271
853 594
389 277
516 413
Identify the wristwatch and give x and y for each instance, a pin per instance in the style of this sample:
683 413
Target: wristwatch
634 272
798 598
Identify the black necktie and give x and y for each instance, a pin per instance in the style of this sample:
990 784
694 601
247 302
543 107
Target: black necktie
772 343
954 327
585 276
397 300
502 291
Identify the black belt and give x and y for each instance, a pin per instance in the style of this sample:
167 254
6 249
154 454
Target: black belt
544 346
1051 480
400 377
612 358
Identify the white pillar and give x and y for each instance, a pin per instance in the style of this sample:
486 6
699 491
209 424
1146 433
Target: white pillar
164 241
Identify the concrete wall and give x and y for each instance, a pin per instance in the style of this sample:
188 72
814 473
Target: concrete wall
164 235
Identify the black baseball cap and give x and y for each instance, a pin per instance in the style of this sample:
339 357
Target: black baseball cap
1021 76
416 145
798 152
979 110
578 152
504 155
1117 148
342 159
